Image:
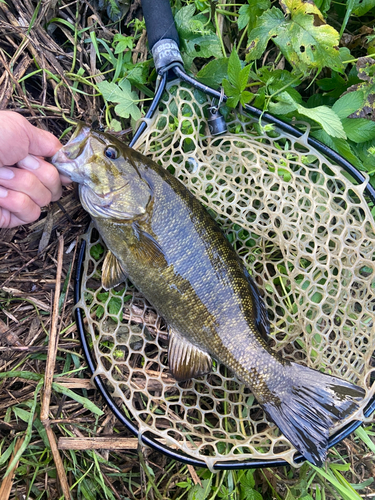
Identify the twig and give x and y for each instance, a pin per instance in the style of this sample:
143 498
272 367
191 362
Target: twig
50 367
6 486
97 443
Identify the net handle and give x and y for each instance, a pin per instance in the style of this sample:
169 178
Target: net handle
159 22
162 34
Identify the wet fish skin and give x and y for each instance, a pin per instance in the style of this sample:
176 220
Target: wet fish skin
168 245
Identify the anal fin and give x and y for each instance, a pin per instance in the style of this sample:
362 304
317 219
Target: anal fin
186 361
112 272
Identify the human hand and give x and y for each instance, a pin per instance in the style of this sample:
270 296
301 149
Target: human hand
27 181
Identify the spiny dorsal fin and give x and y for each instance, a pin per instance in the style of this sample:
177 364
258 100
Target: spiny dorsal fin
112 272
147 248
186 361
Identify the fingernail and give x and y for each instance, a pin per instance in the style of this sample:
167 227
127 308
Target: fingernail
29 162
6 173
3 192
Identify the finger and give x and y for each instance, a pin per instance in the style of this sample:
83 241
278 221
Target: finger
45 172
9 220
16 208
19 138
65 180
41 142
26 183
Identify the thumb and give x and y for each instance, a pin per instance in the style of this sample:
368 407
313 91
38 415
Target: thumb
41 142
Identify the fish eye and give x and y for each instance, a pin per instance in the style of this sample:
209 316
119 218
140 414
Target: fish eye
111 152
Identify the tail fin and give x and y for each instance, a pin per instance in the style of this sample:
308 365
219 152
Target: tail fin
311 404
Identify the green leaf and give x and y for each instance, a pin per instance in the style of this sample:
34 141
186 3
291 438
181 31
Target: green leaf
243 78
361 7
341 146
96 251
285 104
22 414
124 96
197 37
337 484
204 46
359 129
248 14
232 93
213 73
246 97
323 115
247 481
200 492
349 103
83 401
326 117
183 19
115 306
234 68
123 43
362 434
307 46
323 5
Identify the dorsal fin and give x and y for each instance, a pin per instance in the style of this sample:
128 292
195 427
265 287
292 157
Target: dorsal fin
186 361
112 272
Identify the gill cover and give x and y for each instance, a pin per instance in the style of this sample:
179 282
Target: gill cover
110 185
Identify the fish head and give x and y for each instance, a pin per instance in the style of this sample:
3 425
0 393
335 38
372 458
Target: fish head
110 183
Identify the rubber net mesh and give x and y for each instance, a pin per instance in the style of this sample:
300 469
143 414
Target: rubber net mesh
306 234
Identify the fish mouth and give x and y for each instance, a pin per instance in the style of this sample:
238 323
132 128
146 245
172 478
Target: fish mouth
65 160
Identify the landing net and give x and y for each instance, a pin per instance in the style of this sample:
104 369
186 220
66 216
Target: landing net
304 230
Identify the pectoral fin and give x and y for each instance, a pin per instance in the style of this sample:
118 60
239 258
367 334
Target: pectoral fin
147 248
112 272
186 361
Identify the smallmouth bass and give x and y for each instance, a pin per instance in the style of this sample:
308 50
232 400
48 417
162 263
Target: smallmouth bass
166 243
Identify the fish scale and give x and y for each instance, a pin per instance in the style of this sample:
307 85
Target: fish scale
166 243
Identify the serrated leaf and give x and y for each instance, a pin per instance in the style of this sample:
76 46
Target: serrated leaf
348 104
200 492
341 146
204 46
229 90
234 68
233 101
247 480
326 117
306 46
243 77
283 106
232 94
359 129
182 20
114 306
213 73
246 97
248 14
124 96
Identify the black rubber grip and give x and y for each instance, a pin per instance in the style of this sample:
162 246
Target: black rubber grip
159 21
